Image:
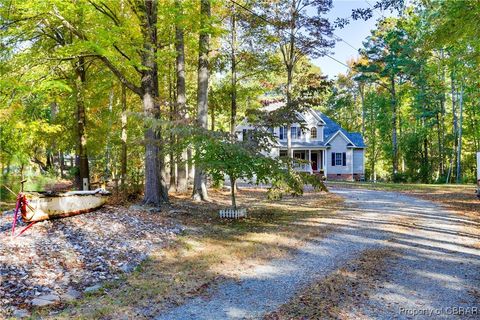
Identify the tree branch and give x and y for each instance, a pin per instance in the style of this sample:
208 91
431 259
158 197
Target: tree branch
68 25
106 11
120 75
104 59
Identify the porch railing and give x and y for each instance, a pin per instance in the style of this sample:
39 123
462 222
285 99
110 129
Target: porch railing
302 167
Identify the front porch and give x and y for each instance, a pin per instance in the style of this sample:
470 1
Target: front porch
316 160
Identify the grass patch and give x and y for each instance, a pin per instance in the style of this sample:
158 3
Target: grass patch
387 186
460 198
210 251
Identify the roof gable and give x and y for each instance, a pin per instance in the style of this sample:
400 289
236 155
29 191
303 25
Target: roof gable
331 128
340 134
316 116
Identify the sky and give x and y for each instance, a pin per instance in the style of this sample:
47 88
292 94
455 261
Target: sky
354 34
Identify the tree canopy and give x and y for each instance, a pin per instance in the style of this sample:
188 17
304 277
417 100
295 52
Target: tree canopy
73 72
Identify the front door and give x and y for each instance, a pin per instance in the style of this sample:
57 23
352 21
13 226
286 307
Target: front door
314 160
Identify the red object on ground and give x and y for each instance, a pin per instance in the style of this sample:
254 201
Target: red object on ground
21 206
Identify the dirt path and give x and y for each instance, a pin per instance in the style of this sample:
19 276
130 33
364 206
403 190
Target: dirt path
436 268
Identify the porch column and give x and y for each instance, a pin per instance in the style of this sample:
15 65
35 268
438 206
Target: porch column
310 160
325 163
353 179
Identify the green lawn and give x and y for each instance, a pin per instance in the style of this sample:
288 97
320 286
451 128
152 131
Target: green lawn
403 186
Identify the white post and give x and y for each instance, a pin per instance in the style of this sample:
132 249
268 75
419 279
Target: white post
363 164
478 168
310 161
353 179
325 163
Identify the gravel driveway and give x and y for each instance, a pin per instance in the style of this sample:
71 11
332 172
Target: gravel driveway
437 271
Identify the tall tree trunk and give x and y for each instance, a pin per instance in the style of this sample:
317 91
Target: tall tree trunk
289 59
109 161
82 156
454 127
426 178
372 141
62 164
123 158
475 124
394 129
191 166
290 64
425 173
459 150
232 191
182 172
289 105
199 184
361 89
49 161
233 31
441 119
173 117
51 150
440 142
156 190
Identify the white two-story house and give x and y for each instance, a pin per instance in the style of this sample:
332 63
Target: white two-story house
326 148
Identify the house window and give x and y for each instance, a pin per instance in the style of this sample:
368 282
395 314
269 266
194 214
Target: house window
313 133
339 159
299 155
296 132
283 153
283 133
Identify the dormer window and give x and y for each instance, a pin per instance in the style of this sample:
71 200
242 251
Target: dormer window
296 132
313 133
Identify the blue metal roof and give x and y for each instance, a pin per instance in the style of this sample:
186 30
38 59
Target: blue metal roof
357 139
331 127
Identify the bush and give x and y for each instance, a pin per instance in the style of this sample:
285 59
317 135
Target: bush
292 182
399 177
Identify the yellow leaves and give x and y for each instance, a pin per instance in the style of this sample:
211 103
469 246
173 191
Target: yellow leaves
38 129
54 85
20 125
5 114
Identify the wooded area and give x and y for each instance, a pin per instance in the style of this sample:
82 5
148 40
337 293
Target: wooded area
139 92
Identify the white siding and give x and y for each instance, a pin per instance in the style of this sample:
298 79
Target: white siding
274 152
306 136
339 144
358 161
239 129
